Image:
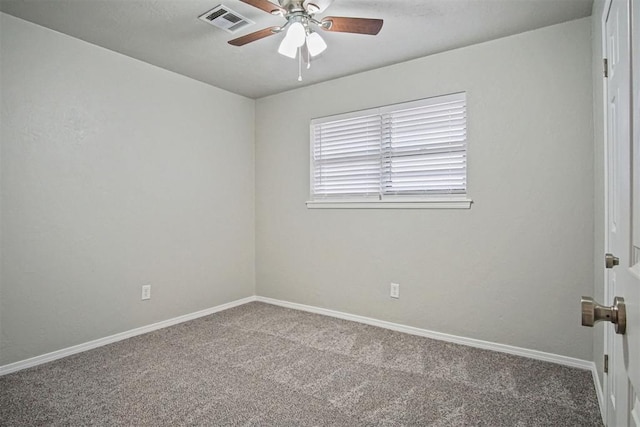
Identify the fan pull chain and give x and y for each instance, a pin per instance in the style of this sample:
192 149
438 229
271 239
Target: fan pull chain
299 64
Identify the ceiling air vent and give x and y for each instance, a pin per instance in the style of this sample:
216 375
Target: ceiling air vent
223 17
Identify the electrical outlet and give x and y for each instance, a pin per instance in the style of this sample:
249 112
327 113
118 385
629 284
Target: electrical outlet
146 292
395 290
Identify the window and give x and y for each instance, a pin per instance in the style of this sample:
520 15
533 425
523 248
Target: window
405 155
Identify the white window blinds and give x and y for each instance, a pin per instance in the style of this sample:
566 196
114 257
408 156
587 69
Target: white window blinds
413 149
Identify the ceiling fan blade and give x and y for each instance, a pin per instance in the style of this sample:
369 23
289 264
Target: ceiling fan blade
266 32
265 5
352 25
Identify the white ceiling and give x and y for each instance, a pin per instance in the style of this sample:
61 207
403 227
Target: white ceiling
168 33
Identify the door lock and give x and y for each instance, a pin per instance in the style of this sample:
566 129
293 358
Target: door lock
593 312
611 261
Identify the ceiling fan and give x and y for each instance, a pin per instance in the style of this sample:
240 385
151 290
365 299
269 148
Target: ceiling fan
301 25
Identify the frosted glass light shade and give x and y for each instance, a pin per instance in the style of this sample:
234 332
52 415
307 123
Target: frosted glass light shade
295 37
297 34
315 44
320 5
288 48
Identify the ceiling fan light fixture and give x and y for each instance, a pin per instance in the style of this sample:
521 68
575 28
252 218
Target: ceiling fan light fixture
296 33
300 40
294 38
288 48
315 44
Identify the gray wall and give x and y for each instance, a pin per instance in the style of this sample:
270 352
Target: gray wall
599 180
115 174
509 270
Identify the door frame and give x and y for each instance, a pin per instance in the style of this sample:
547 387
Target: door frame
604 387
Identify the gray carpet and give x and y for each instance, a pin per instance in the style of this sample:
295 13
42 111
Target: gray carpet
261 365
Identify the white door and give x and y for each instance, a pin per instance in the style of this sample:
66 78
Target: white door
623 225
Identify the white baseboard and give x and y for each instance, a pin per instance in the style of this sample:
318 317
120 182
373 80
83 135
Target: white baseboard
58 354
599 392
503 348
533 354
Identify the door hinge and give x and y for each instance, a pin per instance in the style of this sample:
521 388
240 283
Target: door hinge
606 67
606 363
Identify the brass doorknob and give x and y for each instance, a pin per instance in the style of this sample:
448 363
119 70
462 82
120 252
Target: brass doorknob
593 312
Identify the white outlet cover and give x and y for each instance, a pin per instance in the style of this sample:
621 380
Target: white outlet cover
146 292
394 290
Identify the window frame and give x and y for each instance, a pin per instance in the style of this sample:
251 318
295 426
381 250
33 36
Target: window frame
380 201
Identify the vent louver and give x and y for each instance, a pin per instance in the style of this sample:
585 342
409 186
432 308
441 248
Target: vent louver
223 17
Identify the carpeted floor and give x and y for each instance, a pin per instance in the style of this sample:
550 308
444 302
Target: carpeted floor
261 365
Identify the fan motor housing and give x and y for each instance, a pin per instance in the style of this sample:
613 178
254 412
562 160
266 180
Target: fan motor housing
293 5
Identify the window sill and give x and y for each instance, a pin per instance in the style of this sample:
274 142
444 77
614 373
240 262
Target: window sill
391 204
